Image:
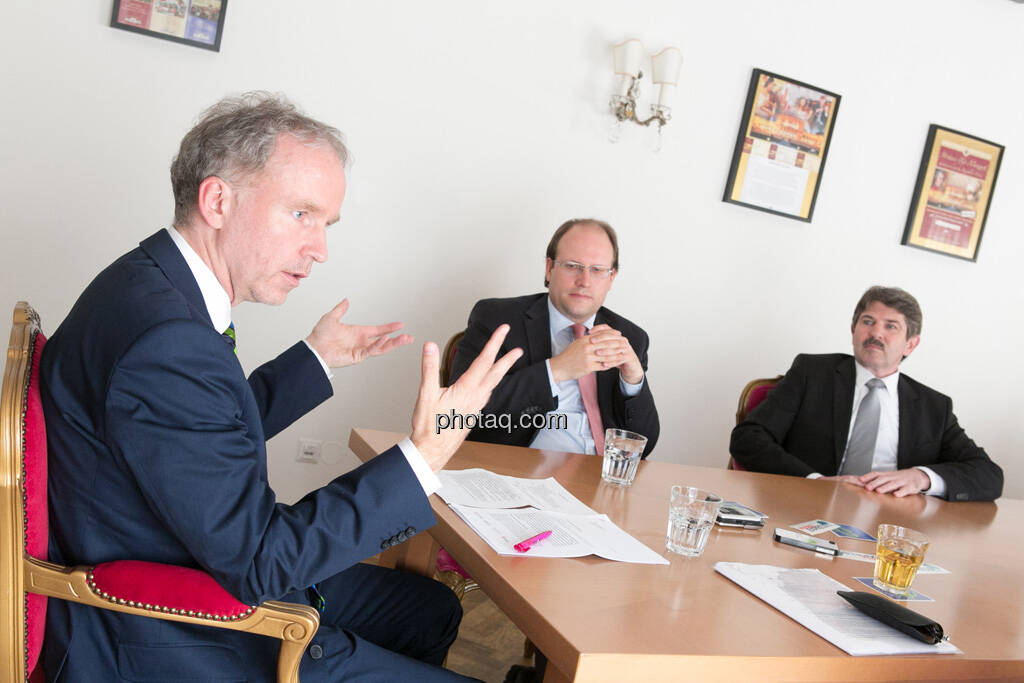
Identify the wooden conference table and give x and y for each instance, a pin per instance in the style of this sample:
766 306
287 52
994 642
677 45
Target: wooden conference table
598 620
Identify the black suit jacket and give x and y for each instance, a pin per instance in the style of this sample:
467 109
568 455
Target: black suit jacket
157 452
801 427
526 391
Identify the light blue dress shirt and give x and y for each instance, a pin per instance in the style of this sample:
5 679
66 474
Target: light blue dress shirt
576 437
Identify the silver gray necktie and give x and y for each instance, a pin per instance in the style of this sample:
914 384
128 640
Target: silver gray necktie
860 450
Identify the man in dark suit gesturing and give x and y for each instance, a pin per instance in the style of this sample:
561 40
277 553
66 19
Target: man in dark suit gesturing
583 367
860 420
157 439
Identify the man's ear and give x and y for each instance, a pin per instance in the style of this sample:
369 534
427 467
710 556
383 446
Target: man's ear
214 201
912 344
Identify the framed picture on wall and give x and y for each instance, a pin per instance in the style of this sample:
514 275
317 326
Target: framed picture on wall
193 22
953 193
782 145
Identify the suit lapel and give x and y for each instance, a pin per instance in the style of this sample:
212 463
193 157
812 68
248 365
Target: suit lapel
842 406
161 248
907 436
538 330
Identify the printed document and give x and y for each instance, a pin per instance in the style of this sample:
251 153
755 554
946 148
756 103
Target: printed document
506 510
482 489
809 597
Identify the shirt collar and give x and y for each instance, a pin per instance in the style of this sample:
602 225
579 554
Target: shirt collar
558 322
218 305
863 375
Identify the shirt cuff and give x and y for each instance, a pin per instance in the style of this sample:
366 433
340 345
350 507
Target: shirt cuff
428 480
630 389
938 484
815 475
551 378
327 370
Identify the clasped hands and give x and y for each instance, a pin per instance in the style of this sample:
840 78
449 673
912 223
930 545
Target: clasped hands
899 483
602 349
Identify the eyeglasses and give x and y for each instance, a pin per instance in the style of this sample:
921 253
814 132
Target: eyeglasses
598 272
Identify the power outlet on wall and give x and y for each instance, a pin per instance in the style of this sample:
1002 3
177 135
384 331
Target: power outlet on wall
310 450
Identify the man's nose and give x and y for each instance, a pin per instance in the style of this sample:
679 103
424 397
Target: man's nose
584 276
316 249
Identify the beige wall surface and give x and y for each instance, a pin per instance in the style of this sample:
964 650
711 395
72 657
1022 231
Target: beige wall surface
478 127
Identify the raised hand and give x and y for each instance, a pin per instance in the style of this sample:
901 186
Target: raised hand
340 344
466 397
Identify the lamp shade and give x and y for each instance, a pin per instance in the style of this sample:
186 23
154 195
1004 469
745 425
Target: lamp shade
665 66
627 57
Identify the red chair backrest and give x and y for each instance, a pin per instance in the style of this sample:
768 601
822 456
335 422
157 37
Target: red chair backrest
36 515
753 394
758 394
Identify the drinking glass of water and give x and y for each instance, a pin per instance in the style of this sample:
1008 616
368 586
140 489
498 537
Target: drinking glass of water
691 514
622 451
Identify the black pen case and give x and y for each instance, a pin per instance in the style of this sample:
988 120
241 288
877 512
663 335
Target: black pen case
899 617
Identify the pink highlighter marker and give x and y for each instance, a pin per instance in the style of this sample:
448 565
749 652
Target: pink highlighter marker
523 546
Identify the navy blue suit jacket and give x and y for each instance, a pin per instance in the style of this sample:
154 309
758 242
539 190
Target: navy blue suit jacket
157 452
526 390
802 425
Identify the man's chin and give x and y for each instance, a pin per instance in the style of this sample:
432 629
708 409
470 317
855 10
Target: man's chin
272 298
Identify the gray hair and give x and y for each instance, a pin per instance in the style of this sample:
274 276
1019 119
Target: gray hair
896 298
235 138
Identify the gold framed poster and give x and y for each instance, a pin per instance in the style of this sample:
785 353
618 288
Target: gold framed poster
953 193
782 145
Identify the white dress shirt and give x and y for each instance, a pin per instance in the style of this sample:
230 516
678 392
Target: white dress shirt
218 305
888 441
576 437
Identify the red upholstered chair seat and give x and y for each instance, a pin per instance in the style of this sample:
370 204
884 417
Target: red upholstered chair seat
165 588
447 563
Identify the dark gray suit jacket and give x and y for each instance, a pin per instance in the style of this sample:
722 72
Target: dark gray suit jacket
801 427
525 390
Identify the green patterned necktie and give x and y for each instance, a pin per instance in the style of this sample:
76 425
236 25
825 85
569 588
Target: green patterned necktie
230 335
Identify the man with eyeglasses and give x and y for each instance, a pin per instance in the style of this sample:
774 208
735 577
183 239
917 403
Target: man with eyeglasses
583 368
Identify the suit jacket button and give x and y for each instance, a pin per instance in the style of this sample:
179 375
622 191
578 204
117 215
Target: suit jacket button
410 531
402 536
385 544
315 651
961 496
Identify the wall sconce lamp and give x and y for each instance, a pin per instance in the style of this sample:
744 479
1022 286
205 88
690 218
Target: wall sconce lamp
665 66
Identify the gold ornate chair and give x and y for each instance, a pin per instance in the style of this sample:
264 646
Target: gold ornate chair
755 392
448 357
141 588
447 570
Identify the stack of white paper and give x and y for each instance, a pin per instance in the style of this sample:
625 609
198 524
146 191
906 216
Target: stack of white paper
809 597
506 510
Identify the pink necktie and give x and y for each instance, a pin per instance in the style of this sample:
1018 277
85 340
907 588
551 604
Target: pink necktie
588 392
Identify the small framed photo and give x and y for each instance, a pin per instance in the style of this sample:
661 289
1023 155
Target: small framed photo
199 23
782 145
953 193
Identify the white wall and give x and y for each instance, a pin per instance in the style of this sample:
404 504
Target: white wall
478 127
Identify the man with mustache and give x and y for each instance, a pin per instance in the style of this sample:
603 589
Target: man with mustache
861 421
580 360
